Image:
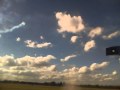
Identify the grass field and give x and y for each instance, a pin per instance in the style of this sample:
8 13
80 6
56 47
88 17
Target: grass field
38 87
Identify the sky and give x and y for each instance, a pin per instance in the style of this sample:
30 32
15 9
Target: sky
59 40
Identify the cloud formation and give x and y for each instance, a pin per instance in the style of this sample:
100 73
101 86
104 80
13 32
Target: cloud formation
67 58
27 68
84 75
13 28
74 39
68 23
96 66
95 32
32 44
26 60
83 69
112 35
89 45
7 61
18 39
35 61
36 69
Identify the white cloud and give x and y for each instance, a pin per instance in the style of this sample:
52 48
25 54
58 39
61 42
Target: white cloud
96 66
41 37
93 67
89 45
68 23
7 60
35 61
18 39
26 60
84 69
82 75
27 68
114 72
95 32
67 58
106 78
49 68
86 75
112 35
32 44
13 28
74 39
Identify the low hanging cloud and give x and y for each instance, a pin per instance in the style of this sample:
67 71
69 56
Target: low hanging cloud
96 66
88 69
107 79
32 44
83 69
95 32
93 67
89 45
36 69
112 35
35 61
84 75
67 58
13 28
68 23
74 39
26 68
8 60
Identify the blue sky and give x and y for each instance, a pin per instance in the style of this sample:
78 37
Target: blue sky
62 37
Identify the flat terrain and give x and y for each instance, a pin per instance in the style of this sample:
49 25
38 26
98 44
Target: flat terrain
6 86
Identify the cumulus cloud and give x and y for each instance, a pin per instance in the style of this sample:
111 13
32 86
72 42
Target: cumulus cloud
27 68
83 69
86 75
112 35
7 60
35 61
106 78
68 23
95 32
18 69
32 44
26 60
89 45
74 39
96 66
87 69
67 58
13 28
18 39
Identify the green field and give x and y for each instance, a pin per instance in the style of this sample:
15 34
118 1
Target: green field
4 86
